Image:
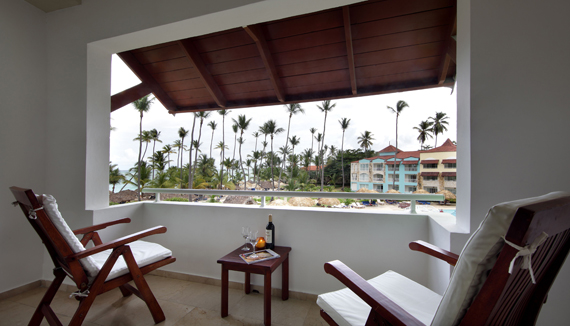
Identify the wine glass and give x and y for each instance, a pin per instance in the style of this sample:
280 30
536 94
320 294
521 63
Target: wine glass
252 238
245 233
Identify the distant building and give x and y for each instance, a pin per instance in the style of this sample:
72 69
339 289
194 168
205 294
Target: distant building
378 172
438 169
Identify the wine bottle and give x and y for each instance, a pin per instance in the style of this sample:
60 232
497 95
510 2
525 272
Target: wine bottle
270 234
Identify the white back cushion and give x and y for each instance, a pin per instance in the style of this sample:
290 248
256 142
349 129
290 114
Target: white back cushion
478 256
52 211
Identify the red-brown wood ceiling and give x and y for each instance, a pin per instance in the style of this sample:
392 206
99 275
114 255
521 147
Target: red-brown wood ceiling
366 48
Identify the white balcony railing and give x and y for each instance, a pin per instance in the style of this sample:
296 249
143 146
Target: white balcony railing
353 195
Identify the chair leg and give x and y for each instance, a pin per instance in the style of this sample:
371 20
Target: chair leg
124 291
38 315
83 309
142 285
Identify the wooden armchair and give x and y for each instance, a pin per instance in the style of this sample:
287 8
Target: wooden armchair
95 270
502 276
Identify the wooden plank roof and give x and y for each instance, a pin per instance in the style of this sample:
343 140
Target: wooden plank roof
367 48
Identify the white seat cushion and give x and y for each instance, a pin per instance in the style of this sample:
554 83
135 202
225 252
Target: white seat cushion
347 309
145 253
479 256
50 207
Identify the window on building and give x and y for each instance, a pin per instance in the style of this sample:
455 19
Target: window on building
450 166
379 188
378 166
431 190
430 178
411 178
391 178
354 177
363 187
392 167
364 177
430 166
378 178
450 178
411 167
363 166
411 188
390 187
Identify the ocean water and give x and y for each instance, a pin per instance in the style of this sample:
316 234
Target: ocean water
450 211
120 185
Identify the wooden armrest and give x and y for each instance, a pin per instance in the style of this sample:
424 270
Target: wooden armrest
385 307
118 242
101 226
434 251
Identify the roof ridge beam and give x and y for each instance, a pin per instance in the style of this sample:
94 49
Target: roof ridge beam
255 33
146 78
349 48
205 75
447 56
129 95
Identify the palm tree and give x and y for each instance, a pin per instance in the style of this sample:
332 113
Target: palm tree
294 142
256 157
182 133
293 108
264 129
142 105
425 131
365 140
177 144
439 122
319 139
273 130
221 146
158 161
154 136
399 108
256 134
344 123
312 130
325 107
223 113
243 123
115 177
212 124
235 129
202 115
167 149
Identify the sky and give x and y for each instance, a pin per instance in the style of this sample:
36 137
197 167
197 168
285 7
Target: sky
367 113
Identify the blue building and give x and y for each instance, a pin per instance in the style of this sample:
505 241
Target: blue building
378 172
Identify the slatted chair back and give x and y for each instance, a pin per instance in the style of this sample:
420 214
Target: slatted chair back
54 242
512 298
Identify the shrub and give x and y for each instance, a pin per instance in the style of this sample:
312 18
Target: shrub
111 203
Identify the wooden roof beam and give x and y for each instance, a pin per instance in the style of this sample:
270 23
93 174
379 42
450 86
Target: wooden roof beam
255 33
129 96
146 78
206 77
349 49
448 55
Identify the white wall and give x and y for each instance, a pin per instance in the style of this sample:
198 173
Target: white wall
200 234
22 136
518 111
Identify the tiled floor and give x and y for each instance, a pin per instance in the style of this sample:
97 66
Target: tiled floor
183 303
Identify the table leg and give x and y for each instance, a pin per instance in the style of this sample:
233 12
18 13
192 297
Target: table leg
267 298
285 279
247 285
224 291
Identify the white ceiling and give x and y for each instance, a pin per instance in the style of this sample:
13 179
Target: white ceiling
52 5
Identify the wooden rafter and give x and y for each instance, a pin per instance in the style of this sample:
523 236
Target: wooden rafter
447 54
255 33
349 50
206 77
146 78
129 95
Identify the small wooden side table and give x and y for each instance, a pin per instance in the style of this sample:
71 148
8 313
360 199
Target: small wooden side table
232 262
